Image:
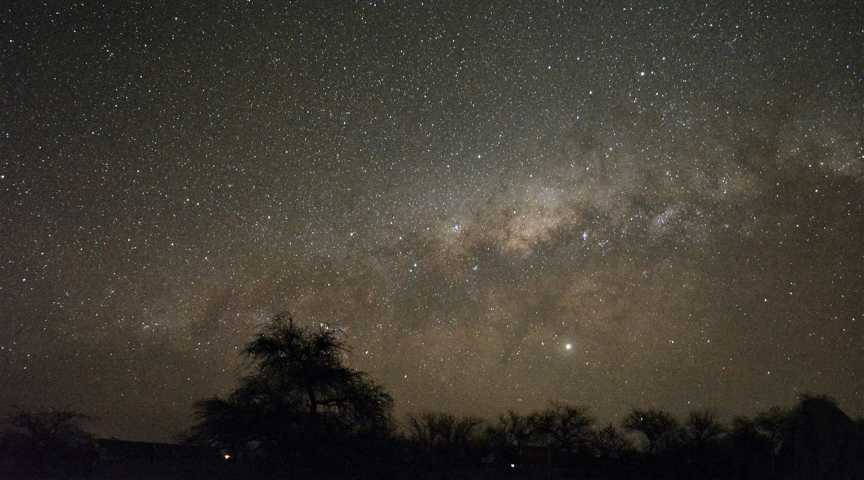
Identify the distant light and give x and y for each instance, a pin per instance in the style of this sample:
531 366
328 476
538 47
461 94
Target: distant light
568 346
226 456
512 465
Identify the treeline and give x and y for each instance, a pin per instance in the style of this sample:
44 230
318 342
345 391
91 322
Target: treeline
302 413
812 440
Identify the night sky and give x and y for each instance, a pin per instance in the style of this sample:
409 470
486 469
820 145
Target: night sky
500 204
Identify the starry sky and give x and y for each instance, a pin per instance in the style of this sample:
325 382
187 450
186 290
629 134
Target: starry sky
499 203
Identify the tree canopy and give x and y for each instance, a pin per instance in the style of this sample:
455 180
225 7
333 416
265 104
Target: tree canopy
299 396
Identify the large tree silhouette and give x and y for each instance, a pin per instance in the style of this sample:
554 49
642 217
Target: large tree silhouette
300 400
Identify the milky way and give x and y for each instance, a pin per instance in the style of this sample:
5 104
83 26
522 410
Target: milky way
499 205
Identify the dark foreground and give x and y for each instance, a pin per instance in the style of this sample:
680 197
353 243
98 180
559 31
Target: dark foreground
814 441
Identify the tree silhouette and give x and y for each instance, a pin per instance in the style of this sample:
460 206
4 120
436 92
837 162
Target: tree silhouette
700 438
772 424
47 444
566 428
750 451
300 398
445 437
609 443
820 442
509 435
660 428
306 366
703 426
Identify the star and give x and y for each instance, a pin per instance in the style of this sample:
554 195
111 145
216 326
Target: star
201 175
